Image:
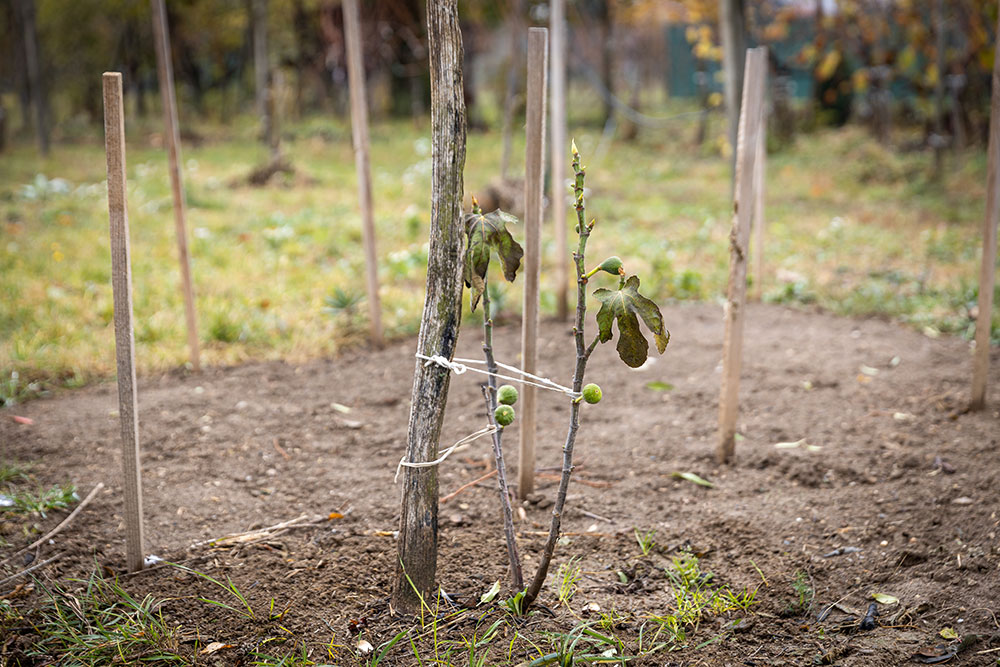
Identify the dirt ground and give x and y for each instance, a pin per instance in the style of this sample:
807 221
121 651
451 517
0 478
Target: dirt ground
899 473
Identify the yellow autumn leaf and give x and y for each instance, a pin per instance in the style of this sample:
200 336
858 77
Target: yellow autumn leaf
931 75
860 80
828 65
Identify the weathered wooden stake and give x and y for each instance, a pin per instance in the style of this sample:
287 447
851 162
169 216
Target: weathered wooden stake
987 272
165 72
759 221
534 158
359 130
732 347
121 282
442 315
560 154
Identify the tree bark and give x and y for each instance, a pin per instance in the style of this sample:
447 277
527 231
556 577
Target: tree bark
258 20
515 24
33 67
732 28
607 21
418 522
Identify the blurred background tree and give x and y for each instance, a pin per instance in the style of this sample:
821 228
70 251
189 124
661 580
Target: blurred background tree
886 63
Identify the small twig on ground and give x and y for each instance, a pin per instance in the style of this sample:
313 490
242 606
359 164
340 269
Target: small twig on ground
251 535
33 567
278 448
465 486
586 482
596 516
55 531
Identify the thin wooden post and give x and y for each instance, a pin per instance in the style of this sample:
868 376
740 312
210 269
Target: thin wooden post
759 221
359 131
121 282
165 72
534 159
560 154
732 347
987 272
442 315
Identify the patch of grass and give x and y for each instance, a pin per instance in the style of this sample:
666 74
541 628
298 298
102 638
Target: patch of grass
568 577
804 594
240 605
14 391
297 657
846 217
100 624
14 472
646 540
43 501
582 645
695 598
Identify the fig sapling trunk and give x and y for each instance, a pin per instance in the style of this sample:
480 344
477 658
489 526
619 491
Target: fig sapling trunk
583 352
625 306
490 396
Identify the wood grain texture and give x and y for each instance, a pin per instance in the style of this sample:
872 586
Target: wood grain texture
987 271
732 346
732 34
362 164
121 282
759 218
560 153
442 315
534 184
165 73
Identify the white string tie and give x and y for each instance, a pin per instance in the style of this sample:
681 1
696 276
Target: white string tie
461 444
458 365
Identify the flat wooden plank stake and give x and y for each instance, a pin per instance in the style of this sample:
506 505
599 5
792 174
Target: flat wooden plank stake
560 153
165 72
759 221
359 131
534 158
987 272
732 347
121 282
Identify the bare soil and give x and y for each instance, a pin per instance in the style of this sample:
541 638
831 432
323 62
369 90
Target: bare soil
902 475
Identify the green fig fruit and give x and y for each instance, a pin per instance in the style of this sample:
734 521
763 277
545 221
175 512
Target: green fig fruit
507 395
612 265
504 414
592 393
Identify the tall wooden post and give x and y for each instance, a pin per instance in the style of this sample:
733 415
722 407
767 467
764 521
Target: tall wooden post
359 131
121 282
165 72
418 521
987 272
759 221
560 153
534 158
732 347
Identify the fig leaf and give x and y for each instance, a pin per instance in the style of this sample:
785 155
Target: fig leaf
487 234
626 305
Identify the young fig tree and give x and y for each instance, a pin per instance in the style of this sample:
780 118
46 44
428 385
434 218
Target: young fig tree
488 235
622 308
